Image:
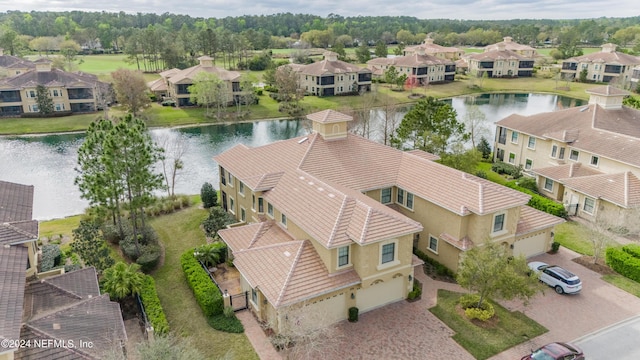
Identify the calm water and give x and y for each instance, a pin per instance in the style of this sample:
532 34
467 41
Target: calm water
48 162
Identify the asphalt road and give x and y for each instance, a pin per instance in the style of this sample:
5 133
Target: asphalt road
619 341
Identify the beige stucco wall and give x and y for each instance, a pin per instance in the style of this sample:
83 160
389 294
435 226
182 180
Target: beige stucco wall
332 130
343 83
62 99
7 355
33 258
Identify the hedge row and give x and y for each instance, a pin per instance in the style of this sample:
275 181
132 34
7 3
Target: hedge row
225 323
624 262
440 269
541 203
152 306
205 291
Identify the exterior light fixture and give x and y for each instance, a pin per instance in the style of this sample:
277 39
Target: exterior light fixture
353 296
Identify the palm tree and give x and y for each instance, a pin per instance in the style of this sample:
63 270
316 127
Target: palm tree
122 280
210 254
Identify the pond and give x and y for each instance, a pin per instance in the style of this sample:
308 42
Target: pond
48 162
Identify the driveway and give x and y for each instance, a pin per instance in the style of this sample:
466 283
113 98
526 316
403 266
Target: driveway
569 317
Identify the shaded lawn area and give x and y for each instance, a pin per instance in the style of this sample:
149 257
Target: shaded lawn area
511 329
574 236
178 232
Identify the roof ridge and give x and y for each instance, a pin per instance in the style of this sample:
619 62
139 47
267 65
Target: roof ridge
18 230
286 243
290 274
626 188
264 227
338 218
75 349
312 142
365 226
66 307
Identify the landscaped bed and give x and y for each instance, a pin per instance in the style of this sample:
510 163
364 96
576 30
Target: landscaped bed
485 339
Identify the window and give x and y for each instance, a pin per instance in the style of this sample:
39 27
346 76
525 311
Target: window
532 142
254 296
410 200
260 205
514 137
512 158
231 205
33 108
561 156
548 184
56 92
59 107
230 179
498 223
528 164
270 209
400 199
385 196
433 244
589 203
31 93
243 214
388 253
554 151
594 160
223 176
283 219
241 188
343 256
574 155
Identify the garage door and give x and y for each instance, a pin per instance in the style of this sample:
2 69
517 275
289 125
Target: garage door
530 246
333 309
380 294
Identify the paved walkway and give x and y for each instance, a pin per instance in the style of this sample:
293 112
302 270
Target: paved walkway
257 337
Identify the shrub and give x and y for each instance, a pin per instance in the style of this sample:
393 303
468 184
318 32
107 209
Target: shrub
481 174
353 314
149 257
623 262
228 311
51 257
508 169
632 249
72 267
440 268
153 308
229 324
416 292
205 291
528 183
186 202
211 254
555 246
540 202
469 303
128 247
217 219
111 233
209 195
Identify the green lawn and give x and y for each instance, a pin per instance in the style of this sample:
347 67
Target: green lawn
104 64
62 226
178 232
491 175
626 284
574 236
511 329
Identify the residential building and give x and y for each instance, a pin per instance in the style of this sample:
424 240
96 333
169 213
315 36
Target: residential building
13 65
429 48
510 45
419 67
175 83
332 77
498 61
70 92
329 220
586 157
635 79
608 66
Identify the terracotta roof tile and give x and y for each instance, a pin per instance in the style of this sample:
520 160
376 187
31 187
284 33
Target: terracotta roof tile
13 262
613 57
414 60
533 220
329 117
189 73
622 189
498 55
463 244
566 171
16 202
330 67
254 235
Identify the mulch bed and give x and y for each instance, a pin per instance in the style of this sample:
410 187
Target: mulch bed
600 267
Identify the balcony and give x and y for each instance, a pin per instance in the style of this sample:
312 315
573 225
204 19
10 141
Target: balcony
366 77
450 68
183 89
75 94
10 96
502 139
326 80
485 65
525 65
570 66
613 69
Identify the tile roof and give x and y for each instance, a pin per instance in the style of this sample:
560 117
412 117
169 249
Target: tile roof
329 117
70 307
55 77
430 48
189 73
18 232
16 202
509 44
49 352
463 244
9 61
254 235
157 85
13 262
534 220
498 55
622 189
606 90
610 133
414 60
566 171
329 67
607 57
290 272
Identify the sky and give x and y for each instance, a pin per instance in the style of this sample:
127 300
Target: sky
429 9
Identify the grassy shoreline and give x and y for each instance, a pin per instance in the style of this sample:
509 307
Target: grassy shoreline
267 109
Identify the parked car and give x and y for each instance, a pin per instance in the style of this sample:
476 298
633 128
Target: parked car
562 280
556 351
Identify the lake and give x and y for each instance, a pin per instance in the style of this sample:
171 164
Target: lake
48 162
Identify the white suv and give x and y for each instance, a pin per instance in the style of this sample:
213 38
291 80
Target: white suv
563 281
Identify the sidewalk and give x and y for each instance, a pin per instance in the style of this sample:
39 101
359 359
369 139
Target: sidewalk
257 337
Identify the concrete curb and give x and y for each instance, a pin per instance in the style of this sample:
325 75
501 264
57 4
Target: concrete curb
605 329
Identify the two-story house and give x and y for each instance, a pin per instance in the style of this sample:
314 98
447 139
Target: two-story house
419 67
586 157
332 77
69 91
510 45
174 83
13 65
429 48
500 62
331 219
608 65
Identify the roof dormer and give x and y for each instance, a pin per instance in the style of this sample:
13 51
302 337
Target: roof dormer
607 97
330 56
206 61
330 124
43 65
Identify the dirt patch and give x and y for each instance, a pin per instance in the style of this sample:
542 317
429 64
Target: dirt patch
600 267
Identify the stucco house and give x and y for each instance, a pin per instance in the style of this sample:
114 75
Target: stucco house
635 78
498 61
586 157
331 76
608 65
73 92
429 48
174 83
13 65
328 220
419 67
